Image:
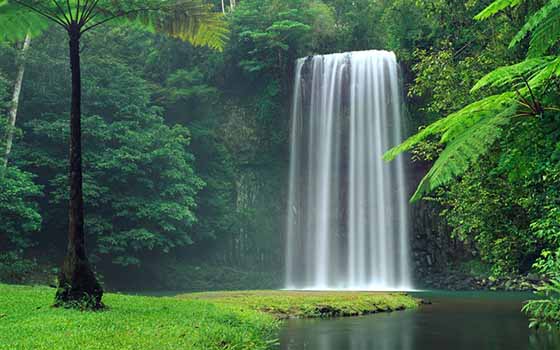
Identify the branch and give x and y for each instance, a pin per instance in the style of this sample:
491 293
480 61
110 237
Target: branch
62 11
86 16
535 101
84 8
52 17
69 10
78 11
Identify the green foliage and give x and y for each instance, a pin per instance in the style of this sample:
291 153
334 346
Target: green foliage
495 7
514 75
544 28
444 80
271 34
545 312
506 203
139 178
13 267
204 277
17 22
18 209
189 20
469 133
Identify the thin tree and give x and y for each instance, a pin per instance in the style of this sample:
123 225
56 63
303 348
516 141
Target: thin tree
12 111
190 20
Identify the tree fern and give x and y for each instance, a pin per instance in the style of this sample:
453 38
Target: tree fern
511 75
546 34
545 75
536 22
453 125
16 22
188 20
458 156
470 132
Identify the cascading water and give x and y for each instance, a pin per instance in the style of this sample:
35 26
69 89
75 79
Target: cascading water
347 209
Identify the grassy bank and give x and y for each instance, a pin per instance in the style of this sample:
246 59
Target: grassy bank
199 321
287 304
131 322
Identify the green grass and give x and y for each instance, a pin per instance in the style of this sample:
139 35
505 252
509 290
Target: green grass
131 322
198 321
287 304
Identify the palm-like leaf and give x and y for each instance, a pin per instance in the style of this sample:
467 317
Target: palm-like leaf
470 132
495 7
189 20
16 22
453 125
511 75
545 32
465 149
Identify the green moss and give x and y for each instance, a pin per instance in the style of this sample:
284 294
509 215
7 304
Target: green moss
131 322
287 304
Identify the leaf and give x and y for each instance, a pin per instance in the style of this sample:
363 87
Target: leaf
188 20
496 7
509 75
463 151
534 21
17 21
452 122
546 34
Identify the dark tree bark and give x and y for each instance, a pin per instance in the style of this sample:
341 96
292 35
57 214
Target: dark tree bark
77 281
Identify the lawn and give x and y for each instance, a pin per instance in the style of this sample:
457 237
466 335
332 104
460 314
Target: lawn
131 322
198 321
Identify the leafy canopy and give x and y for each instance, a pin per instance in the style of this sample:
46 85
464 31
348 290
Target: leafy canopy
188 20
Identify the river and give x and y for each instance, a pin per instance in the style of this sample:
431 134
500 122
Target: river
454 321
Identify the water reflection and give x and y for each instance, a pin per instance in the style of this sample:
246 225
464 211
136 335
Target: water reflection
460 322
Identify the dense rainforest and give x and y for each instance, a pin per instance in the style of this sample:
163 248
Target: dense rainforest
186 148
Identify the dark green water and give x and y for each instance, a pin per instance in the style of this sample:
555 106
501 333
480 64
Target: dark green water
455 321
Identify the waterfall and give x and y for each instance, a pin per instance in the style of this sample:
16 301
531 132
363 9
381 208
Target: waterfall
347 215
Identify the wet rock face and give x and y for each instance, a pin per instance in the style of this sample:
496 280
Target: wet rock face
437 257
434 252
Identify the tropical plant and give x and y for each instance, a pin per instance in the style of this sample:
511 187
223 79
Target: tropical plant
545 312
190 20
526 87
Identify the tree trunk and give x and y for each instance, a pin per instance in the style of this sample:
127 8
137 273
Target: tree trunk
12 113
77 282
223 7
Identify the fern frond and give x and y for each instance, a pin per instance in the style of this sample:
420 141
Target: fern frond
542 77
463 151
546 34
496 7
535 21
188 20
17 21
510 75
474 113
452 125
